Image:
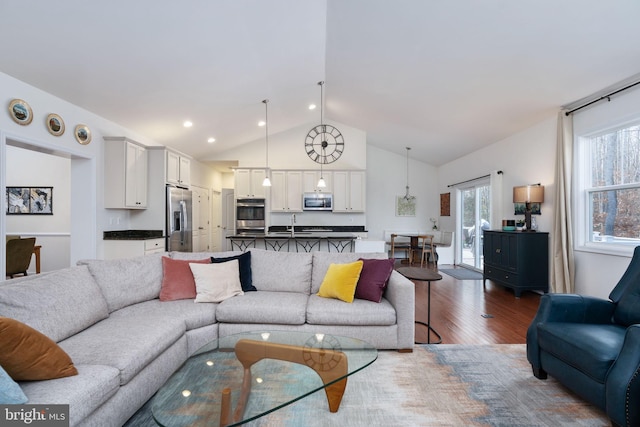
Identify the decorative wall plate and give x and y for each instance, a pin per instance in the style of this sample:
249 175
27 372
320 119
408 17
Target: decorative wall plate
20 112
55 124
83 134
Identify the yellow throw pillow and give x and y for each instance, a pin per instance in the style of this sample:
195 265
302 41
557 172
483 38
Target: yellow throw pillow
340 281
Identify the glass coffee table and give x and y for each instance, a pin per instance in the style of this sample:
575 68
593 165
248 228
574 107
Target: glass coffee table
242 377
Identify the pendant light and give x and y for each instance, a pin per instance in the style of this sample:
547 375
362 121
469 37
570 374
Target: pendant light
408 197
267 181
321 182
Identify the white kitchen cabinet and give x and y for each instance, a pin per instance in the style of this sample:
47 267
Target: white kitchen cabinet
310 182
125 174
178 169
286 191
249 183
116 249
349 190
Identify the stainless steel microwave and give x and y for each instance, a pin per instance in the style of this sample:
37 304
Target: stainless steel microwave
317 202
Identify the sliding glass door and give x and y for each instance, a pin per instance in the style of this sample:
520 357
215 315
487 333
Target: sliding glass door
474 215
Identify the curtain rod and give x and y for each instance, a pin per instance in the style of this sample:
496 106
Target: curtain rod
472 179
607 97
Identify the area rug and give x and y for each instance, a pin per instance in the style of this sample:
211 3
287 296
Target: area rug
439 385
461 273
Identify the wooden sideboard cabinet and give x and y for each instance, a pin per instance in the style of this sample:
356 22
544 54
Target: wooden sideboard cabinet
516 259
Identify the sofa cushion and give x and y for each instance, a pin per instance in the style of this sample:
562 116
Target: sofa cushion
10 391
84 393
177 279
244 261
281 271
58 304
216 282
128 344
28 355
324 311
129 280
590 348
340 281
374 278
322 260
277 308
194 315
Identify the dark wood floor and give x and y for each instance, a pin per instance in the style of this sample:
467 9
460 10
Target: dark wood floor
462 312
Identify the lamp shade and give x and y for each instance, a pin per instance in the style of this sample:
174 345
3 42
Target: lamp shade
528 194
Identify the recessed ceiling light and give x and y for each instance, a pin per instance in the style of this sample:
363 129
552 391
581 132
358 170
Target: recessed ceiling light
261 123
211 140
312 106
187 124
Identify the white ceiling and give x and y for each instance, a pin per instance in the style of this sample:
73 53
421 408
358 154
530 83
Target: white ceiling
444 77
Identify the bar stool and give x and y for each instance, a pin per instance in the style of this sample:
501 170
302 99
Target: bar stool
339 244
242 243
307 244
276 243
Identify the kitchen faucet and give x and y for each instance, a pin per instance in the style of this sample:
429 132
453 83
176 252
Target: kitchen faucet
293 221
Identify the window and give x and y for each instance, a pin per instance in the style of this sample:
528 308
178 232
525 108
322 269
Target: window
610 189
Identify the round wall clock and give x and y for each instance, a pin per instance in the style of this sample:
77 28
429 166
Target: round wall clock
324 144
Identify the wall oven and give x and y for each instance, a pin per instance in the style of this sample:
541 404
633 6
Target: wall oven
250 216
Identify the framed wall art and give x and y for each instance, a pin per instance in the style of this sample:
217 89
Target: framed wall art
405 207
29 200
520 208
55 124
445 204
83 134
20 112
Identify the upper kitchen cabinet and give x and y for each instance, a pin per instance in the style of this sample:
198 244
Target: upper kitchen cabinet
349 191
286 191
310 182
125 174
249 183
178 169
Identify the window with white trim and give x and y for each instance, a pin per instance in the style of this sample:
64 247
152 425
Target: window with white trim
609 188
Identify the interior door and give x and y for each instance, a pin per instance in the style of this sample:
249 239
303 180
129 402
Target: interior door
228 217
201 218
216 221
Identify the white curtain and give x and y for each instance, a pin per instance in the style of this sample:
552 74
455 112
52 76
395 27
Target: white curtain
562 263
495 183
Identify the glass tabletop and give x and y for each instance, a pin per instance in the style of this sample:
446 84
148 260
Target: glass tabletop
242 377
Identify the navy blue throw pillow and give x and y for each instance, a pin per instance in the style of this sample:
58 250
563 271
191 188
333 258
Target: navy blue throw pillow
244 263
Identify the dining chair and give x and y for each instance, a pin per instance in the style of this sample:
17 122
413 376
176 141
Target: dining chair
402 245
423 246
19 252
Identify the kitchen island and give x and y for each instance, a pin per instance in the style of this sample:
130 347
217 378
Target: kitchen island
302 239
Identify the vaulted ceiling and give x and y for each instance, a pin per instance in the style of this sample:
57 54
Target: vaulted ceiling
444 77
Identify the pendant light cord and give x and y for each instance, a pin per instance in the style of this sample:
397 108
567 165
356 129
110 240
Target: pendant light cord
266 129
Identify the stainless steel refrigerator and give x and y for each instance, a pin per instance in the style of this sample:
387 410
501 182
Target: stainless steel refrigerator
179 226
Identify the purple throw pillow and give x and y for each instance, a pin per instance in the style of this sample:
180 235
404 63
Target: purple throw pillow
373 278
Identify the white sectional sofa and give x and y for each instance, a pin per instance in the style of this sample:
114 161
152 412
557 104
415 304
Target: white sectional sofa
125 342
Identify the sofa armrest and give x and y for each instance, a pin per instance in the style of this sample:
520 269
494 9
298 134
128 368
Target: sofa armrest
570 308
622 386
401 294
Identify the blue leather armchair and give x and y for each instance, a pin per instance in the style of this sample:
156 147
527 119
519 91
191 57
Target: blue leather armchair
592 345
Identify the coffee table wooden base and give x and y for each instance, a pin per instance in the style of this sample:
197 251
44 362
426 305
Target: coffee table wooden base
330 365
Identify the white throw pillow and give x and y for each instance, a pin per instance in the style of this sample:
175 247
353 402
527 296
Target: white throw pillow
216 282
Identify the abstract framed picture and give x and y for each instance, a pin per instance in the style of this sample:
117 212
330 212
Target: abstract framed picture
405 207
519 208
83 134
29 200
55 124
20 112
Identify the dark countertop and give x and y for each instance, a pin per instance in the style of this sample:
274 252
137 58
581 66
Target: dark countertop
132 235
320 228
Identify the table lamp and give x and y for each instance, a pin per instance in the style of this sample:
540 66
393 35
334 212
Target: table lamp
528 194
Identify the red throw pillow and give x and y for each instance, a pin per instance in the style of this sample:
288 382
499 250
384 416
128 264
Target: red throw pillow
373 279
177 279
